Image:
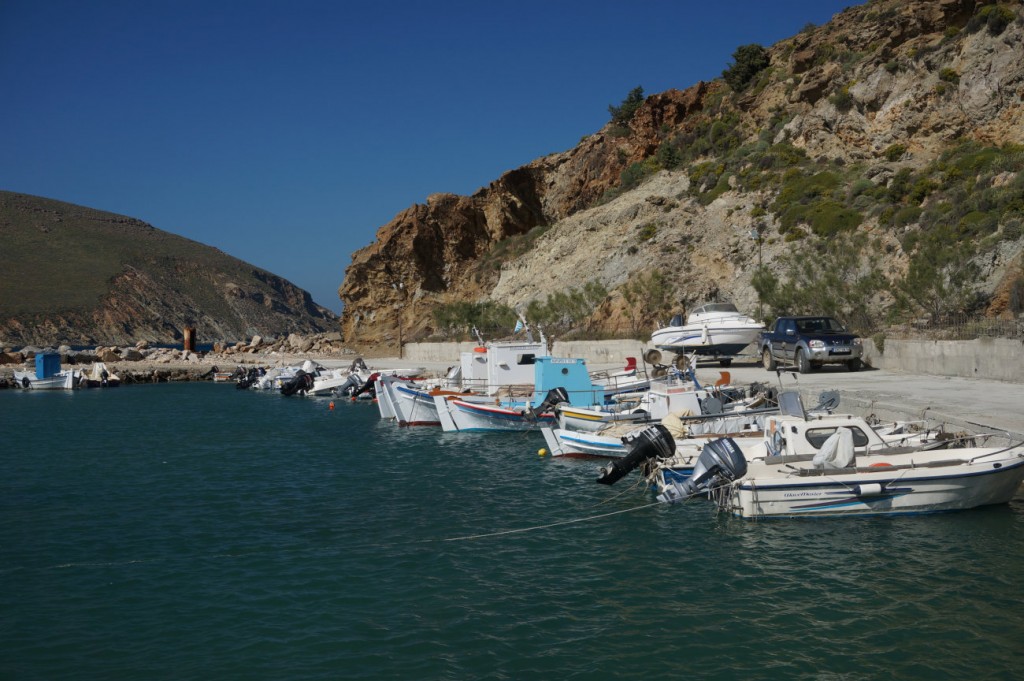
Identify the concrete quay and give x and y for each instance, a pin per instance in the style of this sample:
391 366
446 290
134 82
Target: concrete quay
976 402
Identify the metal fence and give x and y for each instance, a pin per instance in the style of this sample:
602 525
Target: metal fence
957 327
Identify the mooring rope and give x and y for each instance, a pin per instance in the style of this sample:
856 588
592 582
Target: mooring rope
543 527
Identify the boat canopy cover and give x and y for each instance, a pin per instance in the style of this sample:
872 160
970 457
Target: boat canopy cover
837 452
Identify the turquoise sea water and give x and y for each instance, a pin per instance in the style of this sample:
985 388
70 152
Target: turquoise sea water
192 531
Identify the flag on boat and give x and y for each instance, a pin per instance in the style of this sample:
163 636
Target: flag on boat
519 326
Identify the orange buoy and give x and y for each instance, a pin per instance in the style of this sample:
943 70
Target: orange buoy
331 405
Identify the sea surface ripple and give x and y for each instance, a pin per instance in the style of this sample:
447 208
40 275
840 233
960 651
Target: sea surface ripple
192 531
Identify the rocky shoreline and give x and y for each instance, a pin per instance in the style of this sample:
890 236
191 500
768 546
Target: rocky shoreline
142 363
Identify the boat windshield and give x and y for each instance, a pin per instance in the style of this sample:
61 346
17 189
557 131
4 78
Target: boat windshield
717 307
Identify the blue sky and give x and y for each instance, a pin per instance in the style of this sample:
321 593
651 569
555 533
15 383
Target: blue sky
287 133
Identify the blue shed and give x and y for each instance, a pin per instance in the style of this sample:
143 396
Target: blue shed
568 373
47 364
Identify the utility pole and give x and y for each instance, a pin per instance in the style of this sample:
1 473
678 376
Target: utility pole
758 234
401 308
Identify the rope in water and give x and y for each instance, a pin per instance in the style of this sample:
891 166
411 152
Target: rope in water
545 527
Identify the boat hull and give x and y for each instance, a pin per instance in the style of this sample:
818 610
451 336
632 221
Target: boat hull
469 417
64 380
705 340
592 420
887 492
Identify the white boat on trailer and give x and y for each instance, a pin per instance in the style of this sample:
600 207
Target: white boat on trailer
717 330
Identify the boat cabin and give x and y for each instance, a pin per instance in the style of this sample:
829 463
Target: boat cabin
794 432
488 368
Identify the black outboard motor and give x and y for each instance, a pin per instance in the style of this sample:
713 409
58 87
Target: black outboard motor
247 380
721 460
367 387
652 441
554 396
299 383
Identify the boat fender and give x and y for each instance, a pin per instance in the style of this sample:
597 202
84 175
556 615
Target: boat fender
25 383
869 490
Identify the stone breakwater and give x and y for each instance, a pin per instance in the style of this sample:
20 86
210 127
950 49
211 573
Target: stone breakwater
142 363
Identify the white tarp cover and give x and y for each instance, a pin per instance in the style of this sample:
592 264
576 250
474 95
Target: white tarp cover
837 452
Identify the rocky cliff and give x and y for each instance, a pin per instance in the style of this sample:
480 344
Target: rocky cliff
878 95
82 276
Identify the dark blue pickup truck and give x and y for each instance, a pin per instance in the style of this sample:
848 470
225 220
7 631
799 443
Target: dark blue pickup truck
809 342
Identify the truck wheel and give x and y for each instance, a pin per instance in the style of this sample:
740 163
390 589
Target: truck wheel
803 365
854 365
767 360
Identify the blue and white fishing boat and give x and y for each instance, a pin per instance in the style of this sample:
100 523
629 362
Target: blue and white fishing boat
556 379
48 375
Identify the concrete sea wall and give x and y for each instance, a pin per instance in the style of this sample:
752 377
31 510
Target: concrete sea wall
999 359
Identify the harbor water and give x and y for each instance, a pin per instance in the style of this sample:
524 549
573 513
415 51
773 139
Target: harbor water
194 531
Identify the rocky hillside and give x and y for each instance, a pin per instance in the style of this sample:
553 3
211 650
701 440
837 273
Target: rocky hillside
81 276
874 159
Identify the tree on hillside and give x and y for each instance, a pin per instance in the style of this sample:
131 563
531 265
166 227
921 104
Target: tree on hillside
748 61
647 294
623 114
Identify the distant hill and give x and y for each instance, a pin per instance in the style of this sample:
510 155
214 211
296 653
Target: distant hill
877 160
81 276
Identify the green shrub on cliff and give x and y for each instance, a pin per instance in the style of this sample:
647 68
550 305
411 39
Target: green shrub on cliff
748 62
457 320
623 113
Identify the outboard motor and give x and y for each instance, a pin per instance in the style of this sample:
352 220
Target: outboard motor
648 443
299 383
247 380
720 459
554 396
368 387
351 384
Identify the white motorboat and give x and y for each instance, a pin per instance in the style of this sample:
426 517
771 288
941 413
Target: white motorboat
851 469
715 329
98 376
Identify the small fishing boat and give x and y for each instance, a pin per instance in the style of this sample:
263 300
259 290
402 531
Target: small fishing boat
555 380
98 376
411 404
48 375
678 400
